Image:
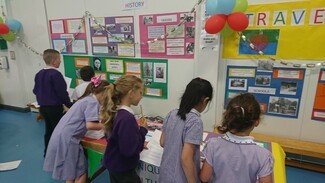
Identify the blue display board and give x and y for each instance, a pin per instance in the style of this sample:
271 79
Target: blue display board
278 90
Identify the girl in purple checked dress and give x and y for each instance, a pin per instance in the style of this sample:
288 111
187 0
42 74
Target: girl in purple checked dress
65 156
235 157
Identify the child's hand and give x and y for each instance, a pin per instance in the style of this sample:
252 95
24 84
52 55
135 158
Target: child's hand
143 122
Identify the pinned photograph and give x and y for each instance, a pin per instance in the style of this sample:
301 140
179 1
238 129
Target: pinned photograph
284 106
189 48
125 28
288 88
78 73
265 66
263 80
238 84
160 72
147 69
129 38
190 31
148 20
112 49
97 64
111 27
147 82
188 16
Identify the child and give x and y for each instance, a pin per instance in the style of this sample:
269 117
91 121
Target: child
51 92
86 73
65 156
182 135
235 157
126 138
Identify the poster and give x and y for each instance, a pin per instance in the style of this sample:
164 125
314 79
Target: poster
121 40
153 72
62 31
289 30
319 103
179 42
278 92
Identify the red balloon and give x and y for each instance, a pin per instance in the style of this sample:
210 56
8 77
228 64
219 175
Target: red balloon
4 29
215 23
238 21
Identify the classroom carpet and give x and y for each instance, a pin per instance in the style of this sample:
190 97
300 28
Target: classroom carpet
21 138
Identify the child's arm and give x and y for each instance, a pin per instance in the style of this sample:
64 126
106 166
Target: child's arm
188 163
206 172
266 179
90 125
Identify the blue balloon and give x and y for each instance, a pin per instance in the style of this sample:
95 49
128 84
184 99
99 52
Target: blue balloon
13 24
211 6
220 6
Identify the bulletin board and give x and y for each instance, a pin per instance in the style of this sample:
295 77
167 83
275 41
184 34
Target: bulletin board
119 43
153 72
278 90
319 103
63 31
177 44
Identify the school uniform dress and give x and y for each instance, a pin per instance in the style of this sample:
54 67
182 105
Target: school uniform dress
79 90
65 156
237 159
125 143
176 133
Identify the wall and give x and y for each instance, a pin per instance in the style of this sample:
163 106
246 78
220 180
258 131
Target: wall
17 82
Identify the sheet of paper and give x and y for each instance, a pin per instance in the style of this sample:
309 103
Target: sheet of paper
154 152
9 165
79 46
57 26
68 81
59 44
73 26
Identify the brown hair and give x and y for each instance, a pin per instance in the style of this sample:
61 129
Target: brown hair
241 114
113 95
49 55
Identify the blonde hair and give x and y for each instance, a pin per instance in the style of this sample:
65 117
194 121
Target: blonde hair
113 95
49 55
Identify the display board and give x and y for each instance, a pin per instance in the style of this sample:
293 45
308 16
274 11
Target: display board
153 72
278 90
121 40
179 41
63 31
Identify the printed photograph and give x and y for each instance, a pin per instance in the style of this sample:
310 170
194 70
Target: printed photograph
238 84
111 27
188 16
125 28
148 20
78 73
129 38
112 49
97 31
160 72
147 82
147 69
190 31
284 106
288 88
97 64
265 65
263 80
189 48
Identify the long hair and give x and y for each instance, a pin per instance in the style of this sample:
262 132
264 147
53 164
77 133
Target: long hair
197 89
241 114
113 95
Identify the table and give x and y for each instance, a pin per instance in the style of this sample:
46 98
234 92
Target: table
150 173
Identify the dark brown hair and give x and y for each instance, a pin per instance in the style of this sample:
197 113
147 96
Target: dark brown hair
241 114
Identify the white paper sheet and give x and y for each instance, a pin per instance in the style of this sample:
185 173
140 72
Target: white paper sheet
9 165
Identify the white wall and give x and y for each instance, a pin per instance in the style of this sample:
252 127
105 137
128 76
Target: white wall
17 82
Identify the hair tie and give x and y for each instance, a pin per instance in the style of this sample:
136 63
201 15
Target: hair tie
96 80
242 109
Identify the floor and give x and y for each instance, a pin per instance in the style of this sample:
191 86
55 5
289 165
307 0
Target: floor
21 138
